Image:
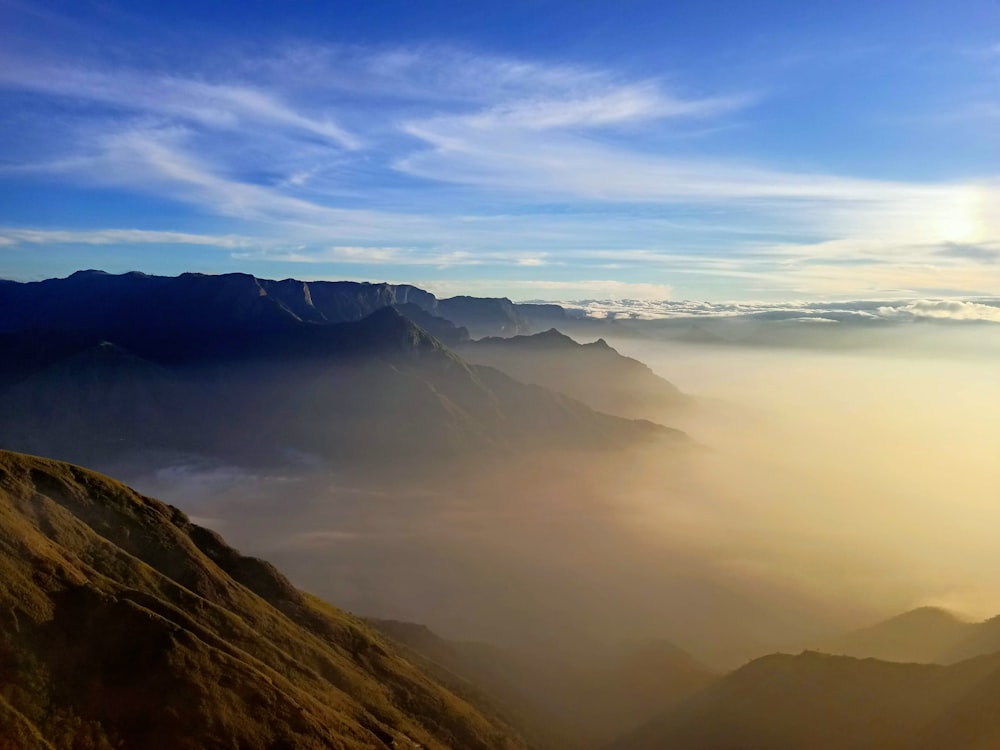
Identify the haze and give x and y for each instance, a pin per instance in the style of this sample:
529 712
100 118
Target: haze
828 490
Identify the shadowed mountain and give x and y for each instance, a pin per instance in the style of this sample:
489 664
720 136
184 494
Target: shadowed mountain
982 638
97 301
593 373
541 316
568 703
440 328
92 301
122 624
483 316
247 379
113 398
927 635
825 702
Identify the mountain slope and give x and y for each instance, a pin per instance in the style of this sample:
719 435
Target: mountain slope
579 702
926 635
375 390
593 373
826 702
123 624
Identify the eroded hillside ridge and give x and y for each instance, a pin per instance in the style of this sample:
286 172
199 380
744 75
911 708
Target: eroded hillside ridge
122 624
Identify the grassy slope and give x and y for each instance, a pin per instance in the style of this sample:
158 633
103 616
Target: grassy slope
124 625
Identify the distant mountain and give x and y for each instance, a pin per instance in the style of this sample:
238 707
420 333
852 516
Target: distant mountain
122 624
927 635
103 397
440 328
483 316
217 365
825 702
593 373
558 702
541 316
982 638
93 300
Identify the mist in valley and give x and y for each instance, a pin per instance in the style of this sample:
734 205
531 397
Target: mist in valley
822 491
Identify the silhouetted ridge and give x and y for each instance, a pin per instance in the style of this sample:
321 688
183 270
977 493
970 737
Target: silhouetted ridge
825 702
926 635
549 339
98 302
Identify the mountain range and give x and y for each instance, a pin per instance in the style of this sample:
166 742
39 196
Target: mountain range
257 370
94 300
125 624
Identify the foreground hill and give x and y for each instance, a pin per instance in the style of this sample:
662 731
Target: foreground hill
569 702
826 702
122 624
593 373
927 635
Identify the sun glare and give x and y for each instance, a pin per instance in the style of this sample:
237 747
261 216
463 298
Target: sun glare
961 218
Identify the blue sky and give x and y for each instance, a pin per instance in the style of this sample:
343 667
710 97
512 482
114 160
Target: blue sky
549 150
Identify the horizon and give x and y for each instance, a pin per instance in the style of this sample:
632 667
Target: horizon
539 151
975 310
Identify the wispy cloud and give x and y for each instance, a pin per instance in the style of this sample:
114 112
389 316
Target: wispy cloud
441 157
13 236
618 105
396 256
227 106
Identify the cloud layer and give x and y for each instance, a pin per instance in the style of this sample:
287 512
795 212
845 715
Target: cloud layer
857 311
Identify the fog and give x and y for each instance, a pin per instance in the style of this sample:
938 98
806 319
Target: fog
826 490
869 480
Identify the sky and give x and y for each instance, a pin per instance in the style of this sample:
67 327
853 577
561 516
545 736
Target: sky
560 150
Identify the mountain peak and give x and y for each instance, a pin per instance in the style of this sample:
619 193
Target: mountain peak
927 614
387 330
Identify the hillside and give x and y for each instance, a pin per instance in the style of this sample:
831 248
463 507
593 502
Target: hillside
926 635
122 624
575 702
825 702
593 373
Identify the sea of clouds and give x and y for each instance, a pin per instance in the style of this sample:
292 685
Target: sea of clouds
977 310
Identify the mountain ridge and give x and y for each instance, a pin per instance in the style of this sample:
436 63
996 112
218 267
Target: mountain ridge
84 300
377 389
929 635
126 621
